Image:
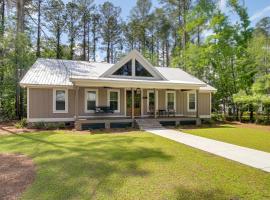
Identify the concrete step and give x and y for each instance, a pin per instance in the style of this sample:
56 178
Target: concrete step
145 124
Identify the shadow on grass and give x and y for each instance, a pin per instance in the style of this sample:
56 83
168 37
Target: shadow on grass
206 126
184 193
71 166
114 130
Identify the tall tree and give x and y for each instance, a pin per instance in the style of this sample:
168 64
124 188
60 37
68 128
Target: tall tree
141 13
2 17
110 28
38 8
95 30
163 34
72 12
56 18
85 8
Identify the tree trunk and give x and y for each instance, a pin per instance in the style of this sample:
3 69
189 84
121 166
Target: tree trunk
71 47
84 37
2 28
108 52
20 16
157 53
152 48
58 48
94 43
38 30
88 41
167 53
163 54
20 7
198 36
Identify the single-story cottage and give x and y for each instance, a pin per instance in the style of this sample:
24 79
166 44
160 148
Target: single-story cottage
103 95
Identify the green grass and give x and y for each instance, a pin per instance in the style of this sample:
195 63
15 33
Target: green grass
247 137
131 166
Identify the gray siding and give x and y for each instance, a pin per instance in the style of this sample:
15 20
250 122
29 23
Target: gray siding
41 103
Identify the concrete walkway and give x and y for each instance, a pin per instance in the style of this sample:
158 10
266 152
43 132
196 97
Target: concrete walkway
247 156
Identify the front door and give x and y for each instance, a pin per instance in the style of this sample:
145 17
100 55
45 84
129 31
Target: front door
137 103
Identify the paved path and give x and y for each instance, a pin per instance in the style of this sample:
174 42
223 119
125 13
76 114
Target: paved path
247 156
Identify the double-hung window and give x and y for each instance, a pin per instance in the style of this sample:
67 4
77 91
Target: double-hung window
114 100
192 102
170 100
60 100
91 99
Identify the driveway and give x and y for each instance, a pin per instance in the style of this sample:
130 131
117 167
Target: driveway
246 156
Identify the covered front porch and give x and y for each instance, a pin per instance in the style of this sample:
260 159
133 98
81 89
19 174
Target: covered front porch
108 107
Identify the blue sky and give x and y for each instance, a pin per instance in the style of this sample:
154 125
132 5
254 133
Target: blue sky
256 8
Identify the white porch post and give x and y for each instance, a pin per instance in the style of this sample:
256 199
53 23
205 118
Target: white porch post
142 102
197 103
132 103
155 103
76 102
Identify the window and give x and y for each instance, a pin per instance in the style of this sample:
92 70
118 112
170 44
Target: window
140 70
60 101
151 101
91 99
125 70
170 100
191 101
114 100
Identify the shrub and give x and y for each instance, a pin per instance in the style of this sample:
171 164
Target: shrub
262 120
49 125
39 125
21 124
217 117
230 118
245 119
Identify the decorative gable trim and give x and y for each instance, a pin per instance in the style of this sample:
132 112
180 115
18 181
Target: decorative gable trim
134 55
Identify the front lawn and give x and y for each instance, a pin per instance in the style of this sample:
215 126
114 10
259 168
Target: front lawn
248 137
134 165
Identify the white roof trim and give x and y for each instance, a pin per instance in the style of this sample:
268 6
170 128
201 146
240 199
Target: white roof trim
134 54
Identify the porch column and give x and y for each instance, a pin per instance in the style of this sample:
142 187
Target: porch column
197 103
155 103
142 103
76 102
132 103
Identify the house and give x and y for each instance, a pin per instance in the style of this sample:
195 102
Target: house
102 95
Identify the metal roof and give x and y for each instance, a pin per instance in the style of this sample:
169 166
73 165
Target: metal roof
55 72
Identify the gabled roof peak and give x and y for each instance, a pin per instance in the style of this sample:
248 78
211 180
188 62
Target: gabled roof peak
133 56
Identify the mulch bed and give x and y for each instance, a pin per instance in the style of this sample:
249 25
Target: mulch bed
17 172
7 128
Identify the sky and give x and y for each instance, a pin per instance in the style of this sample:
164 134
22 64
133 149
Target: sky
257 9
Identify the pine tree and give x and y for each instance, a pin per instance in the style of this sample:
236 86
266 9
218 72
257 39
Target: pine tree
95 31
56 17
72 11
85 8
110 28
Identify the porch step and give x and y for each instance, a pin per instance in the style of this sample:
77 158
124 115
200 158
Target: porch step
145 124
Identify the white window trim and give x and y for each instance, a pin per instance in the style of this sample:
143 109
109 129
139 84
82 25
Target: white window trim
85 100
188 109
54 100
156 99
166 99
133 70
118 99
